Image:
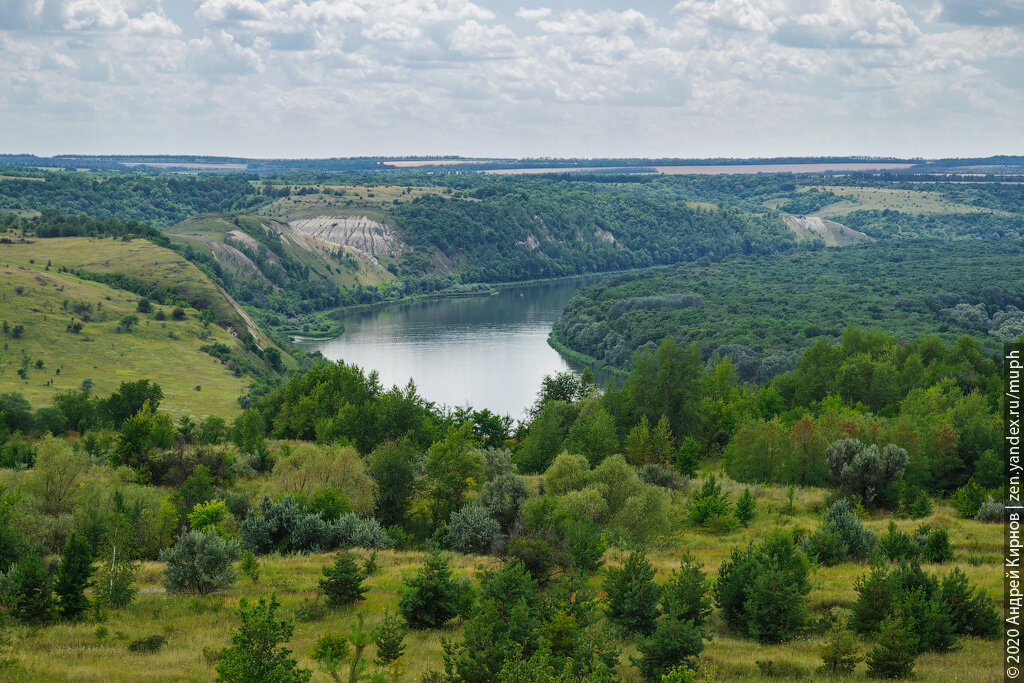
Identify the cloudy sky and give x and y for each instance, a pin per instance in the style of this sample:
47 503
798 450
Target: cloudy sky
317 78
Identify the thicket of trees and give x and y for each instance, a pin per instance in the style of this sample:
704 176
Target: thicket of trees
762 312
159 199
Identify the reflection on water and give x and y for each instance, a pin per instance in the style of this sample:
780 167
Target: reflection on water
487 352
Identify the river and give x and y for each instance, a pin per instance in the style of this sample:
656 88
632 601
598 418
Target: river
485 352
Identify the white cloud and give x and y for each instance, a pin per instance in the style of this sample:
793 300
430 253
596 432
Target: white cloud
319 77
533 14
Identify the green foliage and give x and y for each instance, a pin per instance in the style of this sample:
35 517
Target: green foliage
472 530
896 545
567 473
28 593
286 526
454 467
545 435
632 595
761 589
208 517
774 608
968 499
864 471
552 536
250 566
745 508
704 303
663 476
129 321
390 639
647 231
502 497
199 563
920 505
119 204
147 645
936 547
841 537
686 595
256 652
117 566
430 596
840 653
896 651
394 465
75 575
935 611
348 404
504 626
970 610
709 503
674 643
332 650
343 582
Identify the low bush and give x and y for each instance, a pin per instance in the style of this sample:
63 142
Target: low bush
147 645
473 530
199 563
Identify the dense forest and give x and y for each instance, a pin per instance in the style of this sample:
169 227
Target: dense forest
762 311
160 200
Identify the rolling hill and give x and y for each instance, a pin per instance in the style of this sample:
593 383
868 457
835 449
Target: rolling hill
66 299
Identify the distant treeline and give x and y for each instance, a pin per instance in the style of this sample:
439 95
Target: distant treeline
161 200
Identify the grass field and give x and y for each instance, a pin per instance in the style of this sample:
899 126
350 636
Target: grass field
882 198
33 295
357 200
87 652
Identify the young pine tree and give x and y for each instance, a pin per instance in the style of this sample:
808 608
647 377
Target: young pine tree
390 639
840 653
430 597
256 652
29 594
674 643
343 582
745 508
632 595
76 570
331 650
894 655
686 596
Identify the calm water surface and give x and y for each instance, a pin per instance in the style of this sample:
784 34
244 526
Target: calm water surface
486 352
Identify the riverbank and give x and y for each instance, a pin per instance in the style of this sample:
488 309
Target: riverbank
573 356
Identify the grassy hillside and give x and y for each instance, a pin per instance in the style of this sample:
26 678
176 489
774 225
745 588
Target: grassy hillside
780 304
194 626
41 291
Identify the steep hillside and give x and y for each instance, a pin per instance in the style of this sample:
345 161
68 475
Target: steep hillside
63 301
829 233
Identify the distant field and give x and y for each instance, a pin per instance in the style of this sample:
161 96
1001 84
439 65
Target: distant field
412 163
718 169
904 201
195 625
358 200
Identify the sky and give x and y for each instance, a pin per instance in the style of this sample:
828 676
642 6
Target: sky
550 78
